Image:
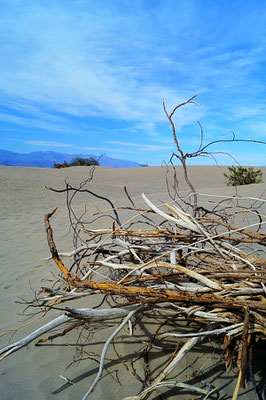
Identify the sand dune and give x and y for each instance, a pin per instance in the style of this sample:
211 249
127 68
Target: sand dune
34 373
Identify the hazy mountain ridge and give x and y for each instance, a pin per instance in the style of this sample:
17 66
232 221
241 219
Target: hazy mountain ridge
46 159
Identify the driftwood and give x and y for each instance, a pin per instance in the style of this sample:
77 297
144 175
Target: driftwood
185 262
187 274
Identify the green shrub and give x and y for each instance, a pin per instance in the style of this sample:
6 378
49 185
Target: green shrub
243 176
78 161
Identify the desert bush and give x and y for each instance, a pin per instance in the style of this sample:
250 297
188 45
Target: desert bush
78 161
243 176
59 166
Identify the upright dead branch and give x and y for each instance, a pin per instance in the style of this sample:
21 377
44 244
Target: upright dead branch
180 155
202 151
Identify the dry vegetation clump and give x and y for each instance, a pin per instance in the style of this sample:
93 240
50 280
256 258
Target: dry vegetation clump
77 162
183 264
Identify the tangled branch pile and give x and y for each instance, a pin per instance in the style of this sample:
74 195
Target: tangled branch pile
165 263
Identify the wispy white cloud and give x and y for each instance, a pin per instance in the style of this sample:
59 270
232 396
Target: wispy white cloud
137 147
105 149
34 121
247 111
73 147
47 144
140 147
257 129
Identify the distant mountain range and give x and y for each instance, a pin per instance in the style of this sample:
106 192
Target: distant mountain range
46 159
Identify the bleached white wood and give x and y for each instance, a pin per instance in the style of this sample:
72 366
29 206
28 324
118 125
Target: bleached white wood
84 313
181 221
199 334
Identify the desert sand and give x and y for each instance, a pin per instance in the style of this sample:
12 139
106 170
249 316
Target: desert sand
34 372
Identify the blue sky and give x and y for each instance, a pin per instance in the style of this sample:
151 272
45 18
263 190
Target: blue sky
81 76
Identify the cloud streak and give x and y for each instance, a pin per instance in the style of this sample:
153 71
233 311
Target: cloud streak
47 144
141 147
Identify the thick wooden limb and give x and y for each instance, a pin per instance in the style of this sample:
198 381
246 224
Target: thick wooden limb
100 314
72 314
201 334
152 295
52 245
6 351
